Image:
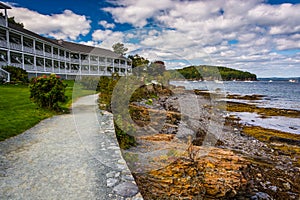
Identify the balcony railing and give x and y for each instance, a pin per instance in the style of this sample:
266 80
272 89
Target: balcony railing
2 21
74 60
5 75
2 63
85 62
19 65
29 67
15 46
28 49
47 54
39 68
39 52
3 43
55 56
85 72
75 71
61 58
94 62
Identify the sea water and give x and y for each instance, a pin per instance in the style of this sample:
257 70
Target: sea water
276 94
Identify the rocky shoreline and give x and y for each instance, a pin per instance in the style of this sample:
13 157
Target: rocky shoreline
199 152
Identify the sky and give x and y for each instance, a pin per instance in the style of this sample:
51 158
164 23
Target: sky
259 36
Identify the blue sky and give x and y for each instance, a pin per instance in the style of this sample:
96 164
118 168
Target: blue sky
259 36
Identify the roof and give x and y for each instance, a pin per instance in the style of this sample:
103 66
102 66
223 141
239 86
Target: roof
75 47
30 33
4 6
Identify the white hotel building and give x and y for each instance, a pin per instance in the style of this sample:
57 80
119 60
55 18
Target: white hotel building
38 55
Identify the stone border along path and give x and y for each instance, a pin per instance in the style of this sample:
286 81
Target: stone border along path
71 156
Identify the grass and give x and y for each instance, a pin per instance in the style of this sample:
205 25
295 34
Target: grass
18 113
74 95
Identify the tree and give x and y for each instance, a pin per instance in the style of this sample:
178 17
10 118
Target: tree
138 61
119 48
11 20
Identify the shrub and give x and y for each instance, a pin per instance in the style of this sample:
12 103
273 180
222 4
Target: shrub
48 91
123 134
17 75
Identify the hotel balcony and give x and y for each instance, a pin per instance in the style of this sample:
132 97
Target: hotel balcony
3 43
39 52
19 65
28 49
29 67
15 46
84 62
48 54
74 60
40 68
2 21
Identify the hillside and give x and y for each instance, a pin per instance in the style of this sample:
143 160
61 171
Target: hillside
204 72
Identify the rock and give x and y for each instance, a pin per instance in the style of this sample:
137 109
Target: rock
273 188
261 196
184 132
110 174
126 189
287 186
111 182
218 174
158 137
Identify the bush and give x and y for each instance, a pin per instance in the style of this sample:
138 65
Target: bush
17 75
48 91
123 134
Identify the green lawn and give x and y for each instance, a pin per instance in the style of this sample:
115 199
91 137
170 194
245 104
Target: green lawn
18 113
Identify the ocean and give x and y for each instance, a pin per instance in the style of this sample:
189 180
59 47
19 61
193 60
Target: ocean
277 94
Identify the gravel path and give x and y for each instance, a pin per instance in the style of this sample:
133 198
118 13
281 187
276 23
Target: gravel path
72 156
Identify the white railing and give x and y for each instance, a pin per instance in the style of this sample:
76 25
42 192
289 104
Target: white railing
2 21
3 43
85 62
48 69
15 46
94 62
85 72
74 60
19 65
3 63
39 52
55 56
61 58
28 49
102 63
5 74
56 70
40 68
74 71
29 67
47 54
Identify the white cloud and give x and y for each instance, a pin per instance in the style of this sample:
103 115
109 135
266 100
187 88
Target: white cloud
107 37
201 31
67 25
106 25
136 12
285 44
